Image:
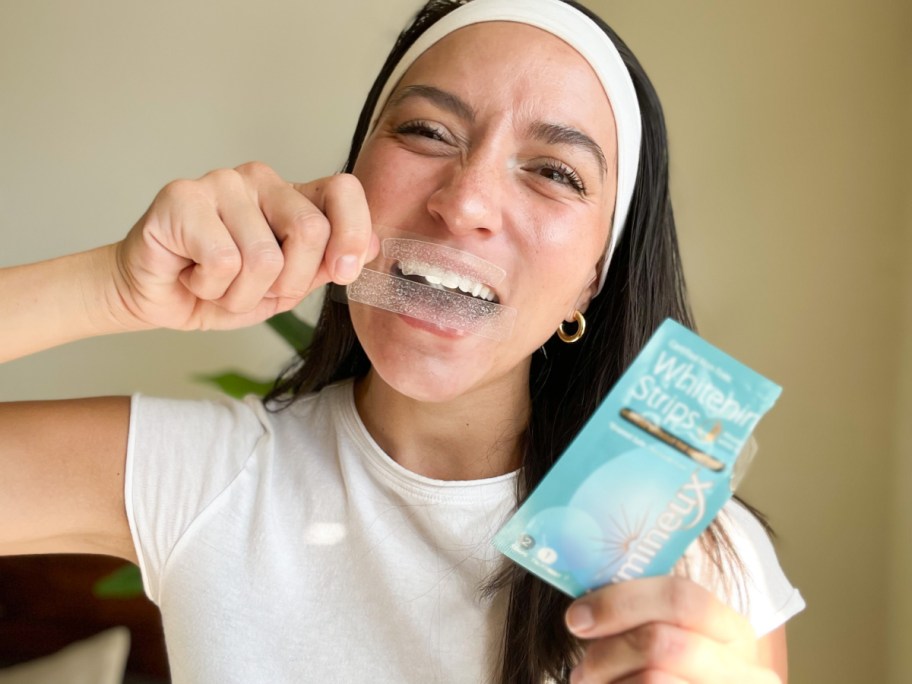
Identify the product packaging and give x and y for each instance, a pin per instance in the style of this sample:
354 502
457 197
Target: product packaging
648 472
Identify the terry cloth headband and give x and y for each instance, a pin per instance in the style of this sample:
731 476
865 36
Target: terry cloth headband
591 42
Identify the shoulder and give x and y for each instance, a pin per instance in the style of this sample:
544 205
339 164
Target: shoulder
751 578
196 414
208 418
187 459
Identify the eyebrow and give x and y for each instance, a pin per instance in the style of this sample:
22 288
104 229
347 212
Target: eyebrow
559 134
439 97
551 133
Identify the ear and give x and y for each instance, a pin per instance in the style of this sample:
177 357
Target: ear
582 302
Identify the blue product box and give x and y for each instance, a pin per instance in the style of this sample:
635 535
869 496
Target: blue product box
647 473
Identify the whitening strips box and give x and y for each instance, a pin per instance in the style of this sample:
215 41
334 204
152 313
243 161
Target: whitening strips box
647 473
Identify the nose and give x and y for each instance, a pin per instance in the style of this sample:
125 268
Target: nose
471 193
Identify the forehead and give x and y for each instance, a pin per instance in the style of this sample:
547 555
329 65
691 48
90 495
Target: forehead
518 67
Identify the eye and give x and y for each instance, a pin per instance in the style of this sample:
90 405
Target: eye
563 175
422 129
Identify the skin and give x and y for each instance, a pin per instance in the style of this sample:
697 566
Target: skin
239 245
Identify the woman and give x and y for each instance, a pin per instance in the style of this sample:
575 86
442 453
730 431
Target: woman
342 532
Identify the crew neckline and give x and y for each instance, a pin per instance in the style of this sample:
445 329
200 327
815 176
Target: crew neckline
396 475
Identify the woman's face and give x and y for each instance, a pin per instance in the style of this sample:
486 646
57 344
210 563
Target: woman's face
498 141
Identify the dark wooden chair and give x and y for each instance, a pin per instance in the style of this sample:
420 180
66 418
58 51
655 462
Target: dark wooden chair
46 603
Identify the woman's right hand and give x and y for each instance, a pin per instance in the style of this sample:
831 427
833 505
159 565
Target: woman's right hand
240 245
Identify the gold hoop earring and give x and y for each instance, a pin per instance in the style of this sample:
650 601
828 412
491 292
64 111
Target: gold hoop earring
580 329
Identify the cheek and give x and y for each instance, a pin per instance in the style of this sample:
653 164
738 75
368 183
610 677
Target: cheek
572 252
563 270
550 299
388 175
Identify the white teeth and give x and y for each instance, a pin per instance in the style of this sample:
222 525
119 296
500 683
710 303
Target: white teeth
407 268
437 276
450 280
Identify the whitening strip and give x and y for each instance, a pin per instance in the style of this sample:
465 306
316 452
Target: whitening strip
648 472
427 303
444 258
436 284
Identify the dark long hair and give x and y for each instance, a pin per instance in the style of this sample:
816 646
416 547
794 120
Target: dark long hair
644 285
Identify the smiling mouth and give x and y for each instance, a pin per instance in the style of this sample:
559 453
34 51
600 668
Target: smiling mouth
437 284
443 279
443 268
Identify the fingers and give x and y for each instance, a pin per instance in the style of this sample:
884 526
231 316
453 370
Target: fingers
253 256
246 235
239 245
351 241
303 232
324 228
659 652
663 629
231 255
618 608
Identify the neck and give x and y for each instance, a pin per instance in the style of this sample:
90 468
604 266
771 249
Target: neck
472 437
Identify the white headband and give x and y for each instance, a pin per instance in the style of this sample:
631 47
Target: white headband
590 41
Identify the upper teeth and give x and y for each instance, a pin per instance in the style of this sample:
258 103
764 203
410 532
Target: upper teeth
438 276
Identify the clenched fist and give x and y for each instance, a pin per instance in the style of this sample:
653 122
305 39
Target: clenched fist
240 245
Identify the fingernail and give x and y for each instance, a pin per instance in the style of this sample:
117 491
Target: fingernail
346 268
580 618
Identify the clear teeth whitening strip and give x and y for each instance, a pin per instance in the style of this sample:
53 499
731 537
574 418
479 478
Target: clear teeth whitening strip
441 256
648 472
448 308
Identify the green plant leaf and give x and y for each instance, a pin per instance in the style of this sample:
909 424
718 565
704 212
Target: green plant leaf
292 329
125 582
237 385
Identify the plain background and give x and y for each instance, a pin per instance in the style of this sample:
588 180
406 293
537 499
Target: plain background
790 135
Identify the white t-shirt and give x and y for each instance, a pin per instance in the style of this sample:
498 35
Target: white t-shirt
288 547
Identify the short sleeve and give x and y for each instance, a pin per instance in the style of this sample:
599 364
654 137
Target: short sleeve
756 585
181 456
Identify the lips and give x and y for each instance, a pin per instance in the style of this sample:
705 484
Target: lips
436 284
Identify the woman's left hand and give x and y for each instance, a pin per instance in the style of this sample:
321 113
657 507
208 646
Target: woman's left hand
664 630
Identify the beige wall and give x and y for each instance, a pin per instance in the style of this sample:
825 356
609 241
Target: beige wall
787 123
787 119
900 614
104 101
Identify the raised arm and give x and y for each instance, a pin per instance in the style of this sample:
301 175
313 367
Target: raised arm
53 302
224 251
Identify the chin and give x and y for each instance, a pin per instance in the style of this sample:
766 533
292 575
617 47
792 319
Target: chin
429 378
418 359
426 389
